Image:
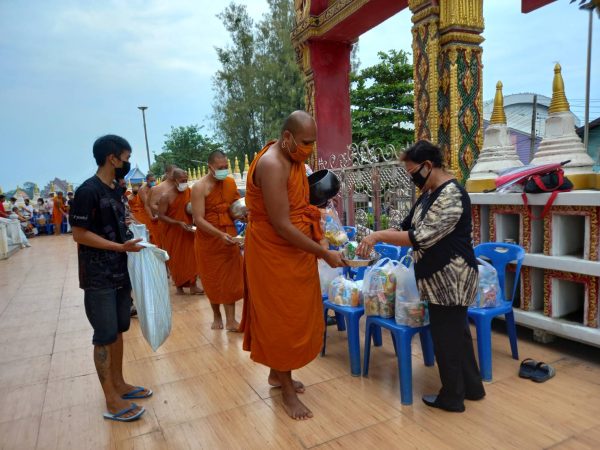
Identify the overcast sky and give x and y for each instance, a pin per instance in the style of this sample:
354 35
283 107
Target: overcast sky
74 70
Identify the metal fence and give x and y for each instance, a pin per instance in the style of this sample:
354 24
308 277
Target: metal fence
376 191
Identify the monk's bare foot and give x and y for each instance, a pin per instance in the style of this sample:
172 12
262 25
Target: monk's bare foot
294 407
217 324
275 383
196 291
233 326
180 291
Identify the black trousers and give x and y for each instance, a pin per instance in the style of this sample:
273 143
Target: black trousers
453 348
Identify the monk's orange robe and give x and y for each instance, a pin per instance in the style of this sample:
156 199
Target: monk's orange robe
220 266
283 312
179 243
138 210
58 207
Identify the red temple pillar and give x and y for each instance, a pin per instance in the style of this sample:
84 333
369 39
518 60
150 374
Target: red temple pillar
330 66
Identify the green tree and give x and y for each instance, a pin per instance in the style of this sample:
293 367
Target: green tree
258 83
388 84
183 147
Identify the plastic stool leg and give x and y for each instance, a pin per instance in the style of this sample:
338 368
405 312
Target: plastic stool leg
512 334
484 347
341 323
394 342
427 346
404 367
377 337
354 345
325 309
367 348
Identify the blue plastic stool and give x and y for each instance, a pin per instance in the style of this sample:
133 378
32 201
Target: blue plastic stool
402 337
351 316
500 255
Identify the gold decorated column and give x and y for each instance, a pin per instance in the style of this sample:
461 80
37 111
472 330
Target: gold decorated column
460 93
426 49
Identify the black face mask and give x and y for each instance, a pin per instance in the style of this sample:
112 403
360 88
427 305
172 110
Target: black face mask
120 172
419 179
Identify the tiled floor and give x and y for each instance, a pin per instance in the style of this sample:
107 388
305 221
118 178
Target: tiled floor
208 394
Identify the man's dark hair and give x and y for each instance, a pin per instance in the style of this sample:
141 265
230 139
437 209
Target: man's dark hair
422 151
2 196
13 199
216 155
40 199
109 145
149 175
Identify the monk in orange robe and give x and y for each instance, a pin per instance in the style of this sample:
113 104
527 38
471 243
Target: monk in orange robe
219 259
178 234
153 198
283 311
58 212
139 210
149 219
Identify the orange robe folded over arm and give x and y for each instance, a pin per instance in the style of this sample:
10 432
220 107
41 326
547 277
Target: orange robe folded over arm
179 243
220 266
283 311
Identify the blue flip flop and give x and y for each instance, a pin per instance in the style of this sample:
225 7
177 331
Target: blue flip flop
132 395
118 416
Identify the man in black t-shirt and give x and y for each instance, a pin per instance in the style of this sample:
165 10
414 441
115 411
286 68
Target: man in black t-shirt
97 217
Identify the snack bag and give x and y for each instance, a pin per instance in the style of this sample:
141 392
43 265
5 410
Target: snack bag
406 283
412 314
489 294
332 227
327 274
379 289
345 292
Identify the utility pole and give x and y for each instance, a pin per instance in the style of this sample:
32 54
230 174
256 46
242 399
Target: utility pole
143 109
533 124
586 125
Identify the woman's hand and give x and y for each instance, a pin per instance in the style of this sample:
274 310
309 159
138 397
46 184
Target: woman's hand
366 245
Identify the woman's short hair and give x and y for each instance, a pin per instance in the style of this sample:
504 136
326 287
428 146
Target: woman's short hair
422 151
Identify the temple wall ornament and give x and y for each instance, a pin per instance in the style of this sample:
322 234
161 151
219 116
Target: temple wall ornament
498 152
561 143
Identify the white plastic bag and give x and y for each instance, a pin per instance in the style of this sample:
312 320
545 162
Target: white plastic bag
148 275
345 292
332 227
488 292
379 288
327 274
412 314
406 283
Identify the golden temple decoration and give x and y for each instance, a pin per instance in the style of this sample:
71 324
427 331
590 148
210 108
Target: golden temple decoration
229 166
498 116
461 13
52 187
236 165
559 101
246 164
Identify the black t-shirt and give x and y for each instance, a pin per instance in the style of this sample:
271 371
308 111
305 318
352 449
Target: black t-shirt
99 209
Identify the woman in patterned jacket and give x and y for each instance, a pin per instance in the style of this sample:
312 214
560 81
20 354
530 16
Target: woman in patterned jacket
438 229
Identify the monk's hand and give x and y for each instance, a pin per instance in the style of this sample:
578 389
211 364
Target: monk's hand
366 246
227 239
186 227
333 258
132 245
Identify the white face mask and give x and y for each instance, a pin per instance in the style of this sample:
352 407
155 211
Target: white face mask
182 187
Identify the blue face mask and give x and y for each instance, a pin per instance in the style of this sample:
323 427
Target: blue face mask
221 174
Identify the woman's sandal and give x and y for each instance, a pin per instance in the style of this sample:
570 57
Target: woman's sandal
527 368
543 372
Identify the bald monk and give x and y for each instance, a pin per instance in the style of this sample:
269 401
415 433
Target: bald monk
153 198
283 312
178 235
219 259
58 212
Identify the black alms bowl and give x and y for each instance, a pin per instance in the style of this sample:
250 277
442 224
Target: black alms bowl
324 185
